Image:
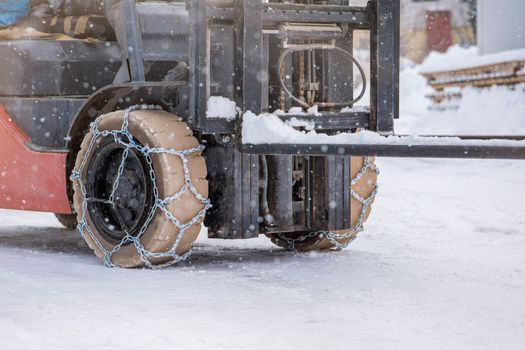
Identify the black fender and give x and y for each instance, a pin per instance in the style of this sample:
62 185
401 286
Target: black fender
172 96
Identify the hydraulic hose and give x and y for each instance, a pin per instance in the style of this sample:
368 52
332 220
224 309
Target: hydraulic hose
308 47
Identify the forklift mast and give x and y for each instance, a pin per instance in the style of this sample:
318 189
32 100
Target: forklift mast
234 48
256 53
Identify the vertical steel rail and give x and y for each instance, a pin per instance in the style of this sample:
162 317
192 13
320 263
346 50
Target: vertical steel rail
253 56
134 40
384 52
280 195
335 64
199 62
252 92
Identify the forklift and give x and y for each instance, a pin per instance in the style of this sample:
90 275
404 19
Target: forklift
105 121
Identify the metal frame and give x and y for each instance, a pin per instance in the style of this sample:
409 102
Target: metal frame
231 51
384 53
249 18
237 214
478 147
133 35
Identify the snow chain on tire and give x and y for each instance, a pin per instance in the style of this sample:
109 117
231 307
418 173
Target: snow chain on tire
124 138
340 240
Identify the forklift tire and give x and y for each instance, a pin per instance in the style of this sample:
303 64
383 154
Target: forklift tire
154 129
69 221
365 188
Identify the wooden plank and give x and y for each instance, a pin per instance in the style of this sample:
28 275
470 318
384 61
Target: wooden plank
505 73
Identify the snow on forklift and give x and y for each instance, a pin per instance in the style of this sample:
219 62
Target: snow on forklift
106 120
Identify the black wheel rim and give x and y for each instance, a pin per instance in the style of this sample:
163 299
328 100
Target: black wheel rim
133 197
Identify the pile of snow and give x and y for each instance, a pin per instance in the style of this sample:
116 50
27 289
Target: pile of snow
482 111
489 111
269 128
413 90
458 57
221 107
224 108
314 110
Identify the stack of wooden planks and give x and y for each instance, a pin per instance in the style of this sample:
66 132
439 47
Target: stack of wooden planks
448 84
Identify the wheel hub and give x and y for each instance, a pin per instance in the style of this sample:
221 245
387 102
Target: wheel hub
119 201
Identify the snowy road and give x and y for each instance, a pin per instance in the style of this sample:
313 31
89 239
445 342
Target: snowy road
441 266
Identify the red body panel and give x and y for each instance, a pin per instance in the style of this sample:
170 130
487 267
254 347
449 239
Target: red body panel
30 180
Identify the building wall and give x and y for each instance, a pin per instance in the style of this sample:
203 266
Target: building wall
413 26
414 22
413 12
501 25
414 41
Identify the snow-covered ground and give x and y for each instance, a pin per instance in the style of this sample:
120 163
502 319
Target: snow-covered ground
441 265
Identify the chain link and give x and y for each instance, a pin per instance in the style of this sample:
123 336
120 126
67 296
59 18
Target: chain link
282 94
126 139
301 76
347 237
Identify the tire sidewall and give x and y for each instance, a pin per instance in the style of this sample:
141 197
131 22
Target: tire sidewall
161 234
